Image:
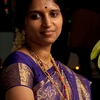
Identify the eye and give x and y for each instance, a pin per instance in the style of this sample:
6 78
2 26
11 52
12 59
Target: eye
35 16
54 14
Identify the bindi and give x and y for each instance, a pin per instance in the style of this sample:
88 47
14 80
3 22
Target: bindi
47 2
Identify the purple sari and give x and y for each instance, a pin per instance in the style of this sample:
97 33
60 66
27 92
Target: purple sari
20 70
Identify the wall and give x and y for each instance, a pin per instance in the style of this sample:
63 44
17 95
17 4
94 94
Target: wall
6 43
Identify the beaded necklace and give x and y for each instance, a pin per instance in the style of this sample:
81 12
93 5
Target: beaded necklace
41 64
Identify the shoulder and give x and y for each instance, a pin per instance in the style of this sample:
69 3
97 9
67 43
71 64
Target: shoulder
16 58
16 69
75 75
82 83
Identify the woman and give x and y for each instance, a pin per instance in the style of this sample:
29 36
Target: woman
30 72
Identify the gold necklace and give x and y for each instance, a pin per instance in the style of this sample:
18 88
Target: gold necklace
41 64
37 57
46 64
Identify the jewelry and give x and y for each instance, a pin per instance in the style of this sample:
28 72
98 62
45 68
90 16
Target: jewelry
37 57
46 64
41 64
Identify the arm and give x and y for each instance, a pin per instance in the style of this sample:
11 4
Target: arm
19 93
17 81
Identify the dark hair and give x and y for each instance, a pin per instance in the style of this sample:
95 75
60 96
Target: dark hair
20 12
22 7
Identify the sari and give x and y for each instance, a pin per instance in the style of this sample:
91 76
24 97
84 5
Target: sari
19 69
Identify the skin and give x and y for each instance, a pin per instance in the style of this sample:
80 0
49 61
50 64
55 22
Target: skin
45 29
43 25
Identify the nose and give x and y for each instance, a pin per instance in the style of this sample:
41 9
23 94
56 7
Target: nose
47 21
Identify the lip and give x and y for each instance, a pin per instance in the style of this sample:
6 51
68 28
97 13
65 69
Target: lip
47 32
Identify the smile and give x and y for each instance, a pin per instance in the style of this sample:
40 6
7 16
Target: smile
50 32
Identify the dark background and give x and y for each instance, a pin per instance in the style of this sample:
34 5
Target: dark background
7 20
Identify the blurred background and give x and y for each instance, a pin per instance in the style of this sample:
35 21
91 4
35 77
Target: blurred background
80 17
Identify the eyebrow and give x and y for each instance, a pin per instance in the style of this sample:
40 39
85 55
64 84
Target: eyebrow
38 11
35 11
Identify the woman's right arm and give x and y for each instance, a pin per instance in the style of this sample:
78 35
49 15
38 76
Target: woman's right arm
19 93
17 81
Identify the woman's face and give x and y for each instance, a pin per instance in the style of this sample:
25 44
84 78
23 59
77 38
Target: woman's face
43 22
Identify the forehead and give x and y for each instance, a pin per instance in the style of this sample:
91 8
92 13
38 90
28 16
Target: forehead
41 4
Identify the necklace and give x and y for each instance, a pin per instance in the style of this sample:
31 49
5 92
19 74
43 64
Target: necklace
37 57
41 64
46 64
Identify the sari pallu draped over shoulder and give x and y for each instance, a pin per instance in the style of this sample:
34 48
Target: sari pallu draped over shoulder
20 70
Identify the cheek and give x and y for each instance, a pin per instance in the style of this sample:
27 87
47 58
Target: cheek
31 26
59 24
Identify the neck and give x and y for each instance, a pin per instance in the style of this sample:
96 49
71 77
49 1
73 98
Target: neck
44 56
